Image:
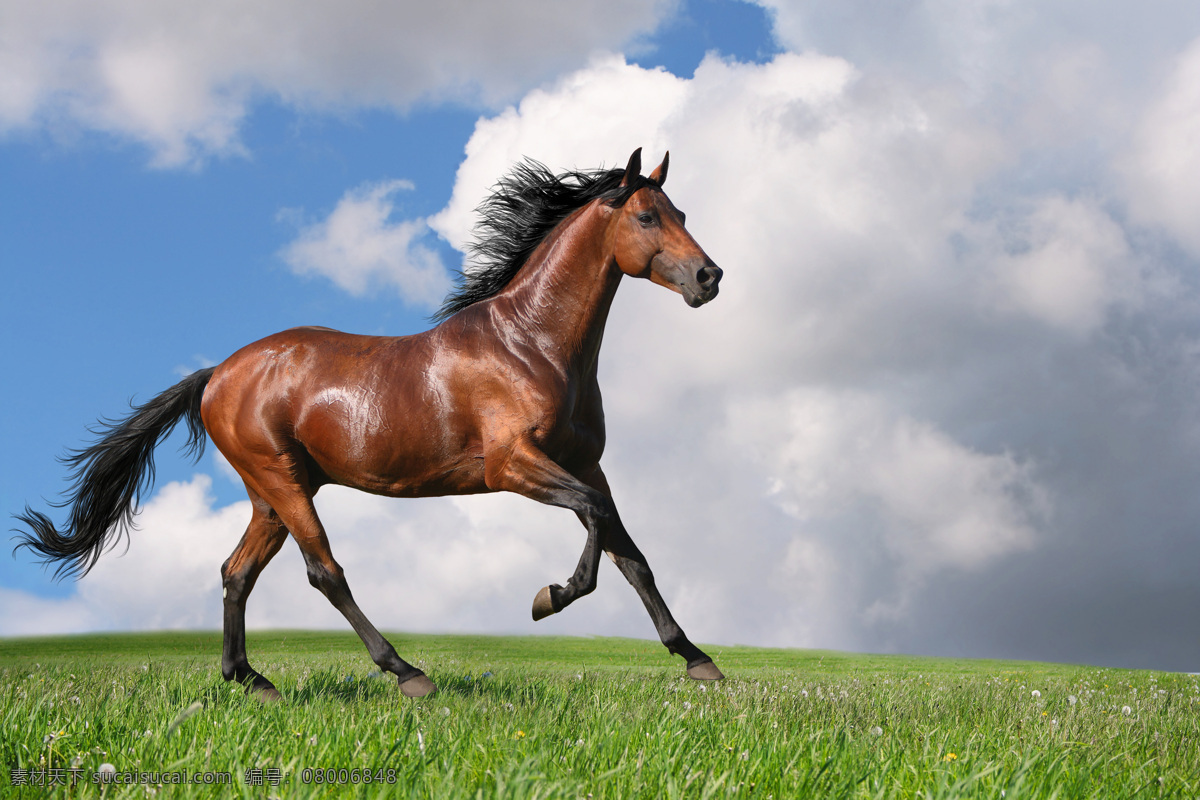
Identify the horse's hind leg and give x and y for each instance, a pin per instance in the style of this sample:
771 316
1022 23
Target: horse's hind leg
262 540
296 510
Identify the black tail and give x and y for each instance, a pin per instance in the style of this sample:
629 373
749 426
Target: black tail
110 476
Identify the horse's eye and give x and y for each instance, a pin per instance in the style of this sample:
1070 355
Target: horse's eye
646 219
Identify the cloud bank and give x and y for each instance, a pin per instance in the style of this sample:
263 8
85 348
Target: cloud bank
180 79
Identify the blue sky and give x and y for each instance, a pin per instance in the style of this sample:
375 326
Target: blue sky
946 402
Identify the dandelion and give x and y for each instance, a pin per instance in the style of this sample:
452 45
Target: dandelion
804 692
1072 699
519 735
445 711
950 757
1126 710
877 731
1036 694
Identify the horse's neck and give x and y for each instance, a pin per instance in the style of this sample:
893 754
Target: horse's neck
564 292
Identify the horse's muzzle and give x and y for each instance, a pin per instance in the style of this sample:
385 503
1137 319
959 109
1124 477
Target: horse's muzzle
707 279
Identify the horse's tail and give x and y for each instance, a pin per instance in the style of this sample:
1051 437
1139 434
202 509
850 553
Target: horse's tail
110 476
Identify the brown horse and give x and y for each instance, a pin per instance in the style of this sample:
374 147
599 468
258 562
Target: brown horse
501 395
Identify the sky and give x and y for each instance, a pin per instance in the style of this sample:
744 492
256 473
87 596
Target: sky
945 404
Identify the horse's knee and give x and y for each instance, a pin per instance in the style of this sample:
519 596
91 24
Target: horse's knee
330 582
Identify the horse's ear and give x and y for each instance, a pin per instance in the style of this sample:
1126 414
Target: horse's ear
633 169
659 175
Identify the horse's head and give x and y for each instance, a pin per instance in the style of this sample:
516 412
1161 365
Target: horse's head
649 240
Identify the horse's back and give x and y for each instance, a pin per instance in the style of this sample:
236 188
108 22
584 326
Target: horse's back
365 411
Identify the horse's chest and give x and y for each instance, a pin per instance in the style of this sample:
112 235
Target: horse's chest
572 433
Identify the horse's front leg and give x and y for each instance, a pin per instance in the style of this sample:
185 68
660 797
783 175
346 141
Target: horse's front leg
629 559
529 472
554 598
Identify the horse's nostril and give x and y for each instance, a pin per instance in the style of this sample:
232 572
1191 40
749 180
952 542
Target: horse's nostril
708 276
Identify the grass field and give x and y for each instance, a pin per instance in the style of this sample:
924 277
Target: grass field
577 718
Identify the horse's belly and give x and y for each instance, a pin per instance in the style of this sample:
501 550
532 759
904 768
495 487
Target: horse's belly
395 455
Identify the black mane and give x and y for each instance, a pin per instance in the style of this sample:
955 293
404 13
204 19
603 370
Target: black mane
524 206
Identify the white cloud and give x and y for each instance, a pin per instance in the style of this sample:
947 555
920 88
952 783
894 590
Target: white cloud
1160 171
179 78
1066 263
358 247
857 476
621 102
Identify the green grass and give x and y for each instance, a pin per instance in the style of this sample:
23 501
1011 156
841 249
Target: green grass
602 718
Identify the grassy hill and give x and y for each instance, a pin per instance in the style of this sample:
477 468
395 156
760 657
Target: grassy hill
552 717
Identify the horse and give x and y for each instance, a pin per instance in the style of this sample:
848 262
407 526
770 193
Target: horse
500 395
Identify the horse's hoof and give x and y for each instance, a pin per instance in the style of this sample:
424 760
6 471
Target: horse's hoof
417 686
705 672
542 604
262 689
267 694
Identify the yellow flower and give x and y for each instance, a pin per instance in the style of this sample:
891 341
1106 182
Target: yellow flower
520 735
949 757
